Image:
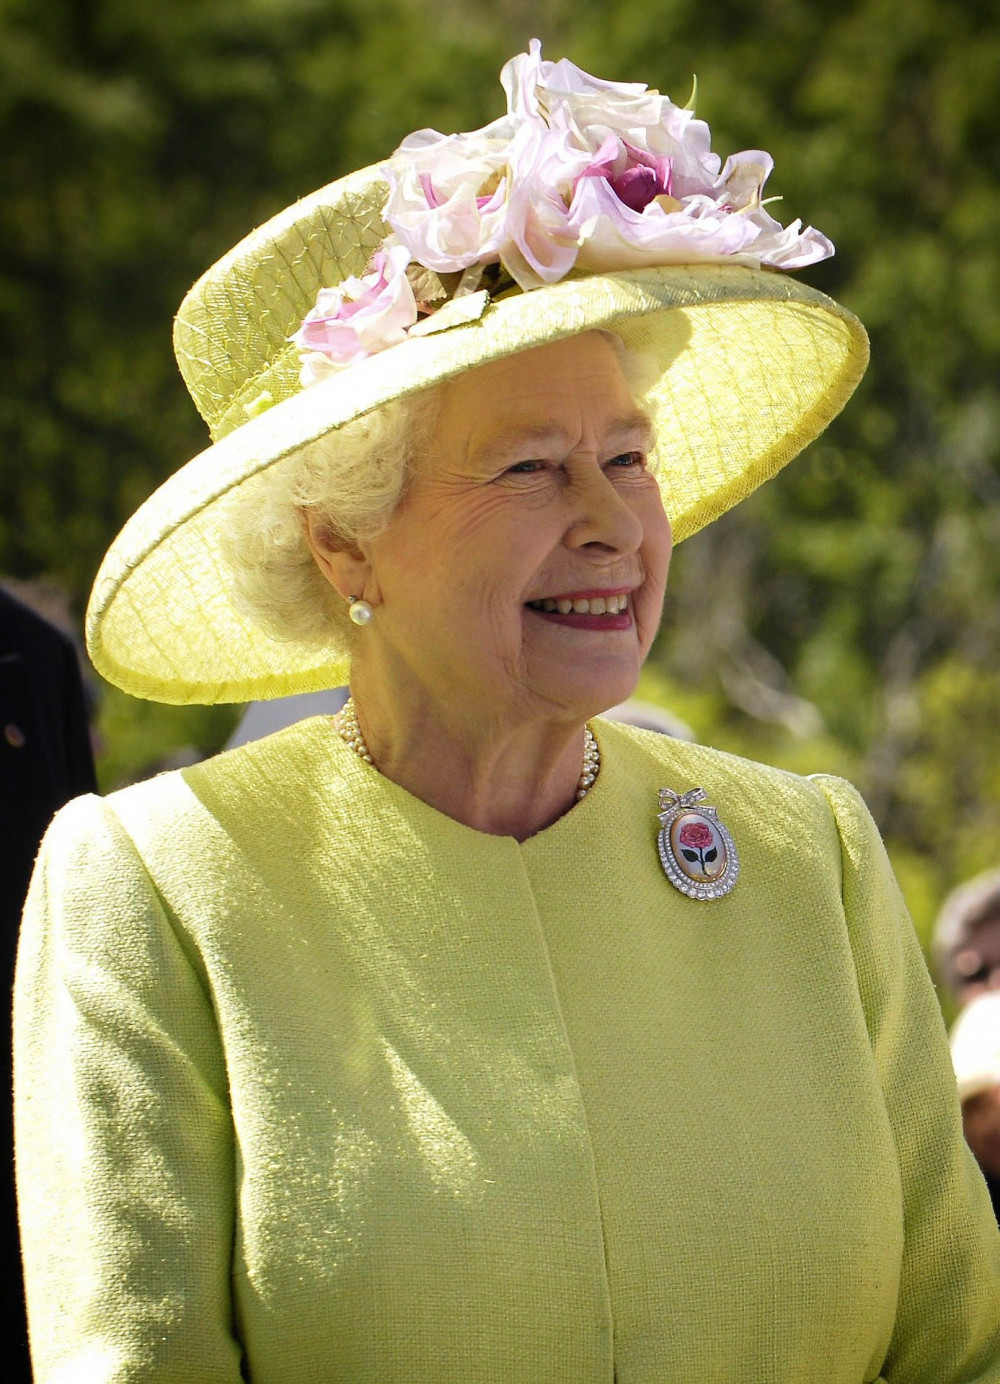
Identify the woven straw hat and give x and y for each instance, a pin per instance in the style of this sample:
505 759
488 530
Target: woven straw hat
752 366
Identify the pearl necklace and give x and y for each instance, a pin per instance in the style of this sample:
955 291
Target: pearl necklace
349 729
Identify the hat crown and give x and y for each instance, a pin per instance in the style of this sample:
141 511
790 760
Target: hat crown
231 333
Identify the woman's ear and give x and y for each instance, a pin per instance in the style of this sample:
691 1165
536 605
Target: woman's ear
345 567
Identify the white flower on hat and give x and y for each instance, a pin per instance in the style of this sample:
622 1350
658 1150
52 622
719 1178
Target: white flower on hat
358 317
448 196
540 244
564 96
585 173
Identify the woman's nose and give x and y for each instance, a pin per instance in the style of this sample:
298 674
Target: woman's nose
601 514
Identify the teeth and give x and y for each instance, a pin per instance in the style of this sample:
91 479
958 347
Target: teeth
596 605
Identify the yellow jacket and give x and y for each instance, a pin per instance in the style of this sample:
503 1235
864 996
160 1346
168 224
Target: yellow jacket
316 1083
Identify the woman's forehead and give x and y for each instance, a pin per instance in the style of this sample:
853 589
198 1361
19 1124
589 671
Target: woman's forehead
591 353
543 395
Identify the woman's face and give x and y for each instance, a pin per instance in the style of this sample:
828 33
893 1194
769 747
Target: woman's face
534 490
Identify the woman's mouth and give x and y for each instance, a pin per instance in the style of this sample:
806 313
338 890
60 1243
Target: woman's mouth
608 611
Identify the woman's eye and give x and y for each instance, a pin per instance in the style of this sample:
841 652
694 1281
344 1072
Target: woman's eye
625 461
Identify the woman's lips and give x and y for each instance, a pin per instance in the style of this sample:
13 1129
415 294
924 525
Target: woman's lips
621 621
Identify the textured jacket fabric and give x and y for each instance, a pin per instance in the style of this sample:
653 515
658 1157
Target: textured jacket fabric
315 1084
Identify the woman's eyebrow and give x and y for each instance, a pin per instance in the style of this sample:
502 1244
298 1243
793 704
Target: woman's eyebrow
635 424
519 439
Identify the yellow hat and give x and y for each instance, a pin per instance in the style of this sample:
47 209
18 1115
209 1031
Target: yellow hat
751 365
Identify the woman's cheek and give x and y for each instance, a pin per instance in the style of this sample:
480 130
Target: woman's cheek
651 594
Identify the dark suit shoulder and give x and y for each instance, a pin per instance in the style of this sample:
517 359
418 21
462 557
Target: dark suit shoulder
24 631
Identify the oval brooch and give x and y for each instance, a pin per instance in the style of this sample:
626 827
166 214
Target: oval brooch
697 853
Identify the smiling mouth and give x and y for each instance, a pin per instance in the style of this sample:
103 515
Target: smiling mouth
582 605
609 612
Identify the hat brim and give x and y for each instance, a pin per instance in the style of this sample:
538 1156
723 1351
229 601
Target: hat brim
751 367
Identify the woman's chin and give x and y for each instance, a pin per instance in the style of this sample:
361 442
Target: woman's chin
586 692
592 668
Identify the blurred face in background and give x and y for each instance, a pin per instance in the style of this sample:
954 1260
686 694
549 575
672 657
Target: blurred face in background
976 964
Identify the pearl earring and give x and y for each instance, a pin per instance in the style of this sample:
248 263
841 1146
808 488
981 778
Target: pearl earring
359 611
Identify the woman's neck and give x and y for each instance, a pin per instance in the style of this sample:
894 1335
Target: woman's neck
506 778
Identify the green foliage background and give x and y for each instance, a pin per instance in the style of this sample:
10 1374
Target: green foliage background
844 619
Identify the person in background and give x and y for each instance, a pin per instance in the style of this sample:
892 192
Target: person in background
967 951
45 760
975 1052
966 939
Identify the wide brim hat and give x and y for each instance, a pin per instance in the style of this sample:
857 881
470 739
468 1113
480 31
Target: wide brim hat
751 365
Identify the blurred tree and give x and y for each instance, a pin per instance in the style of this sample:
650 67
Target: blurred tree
847 615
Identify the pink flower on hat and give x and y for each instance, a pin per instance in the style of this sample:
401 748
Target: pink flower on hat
725 220
634 176
358 318
624 214
654 193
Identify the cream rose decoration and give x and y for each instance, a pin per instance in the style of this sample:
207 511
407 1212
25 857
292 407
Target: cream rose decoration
581 173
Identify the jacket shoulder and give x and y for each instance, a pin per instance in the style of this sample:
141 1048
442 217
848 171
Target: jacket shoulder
24 631
792 812
640 746
246 779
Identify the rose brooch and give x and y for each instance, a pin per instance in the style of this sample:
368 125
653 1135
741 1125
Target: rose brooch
697 853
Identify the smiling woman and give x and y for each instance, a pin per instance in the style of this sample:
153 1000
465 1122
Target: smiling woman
424 1043
468 695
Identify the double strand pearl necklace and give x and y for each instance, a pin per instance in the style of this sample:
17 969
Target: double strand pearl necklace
349 729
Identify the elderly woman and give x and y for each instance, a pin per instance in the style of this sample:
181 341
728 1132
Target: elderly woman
463 1037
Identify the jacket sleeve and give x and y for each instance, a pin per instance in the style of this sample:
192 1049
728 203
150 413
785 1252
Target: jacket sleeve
948 1316
123 1130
